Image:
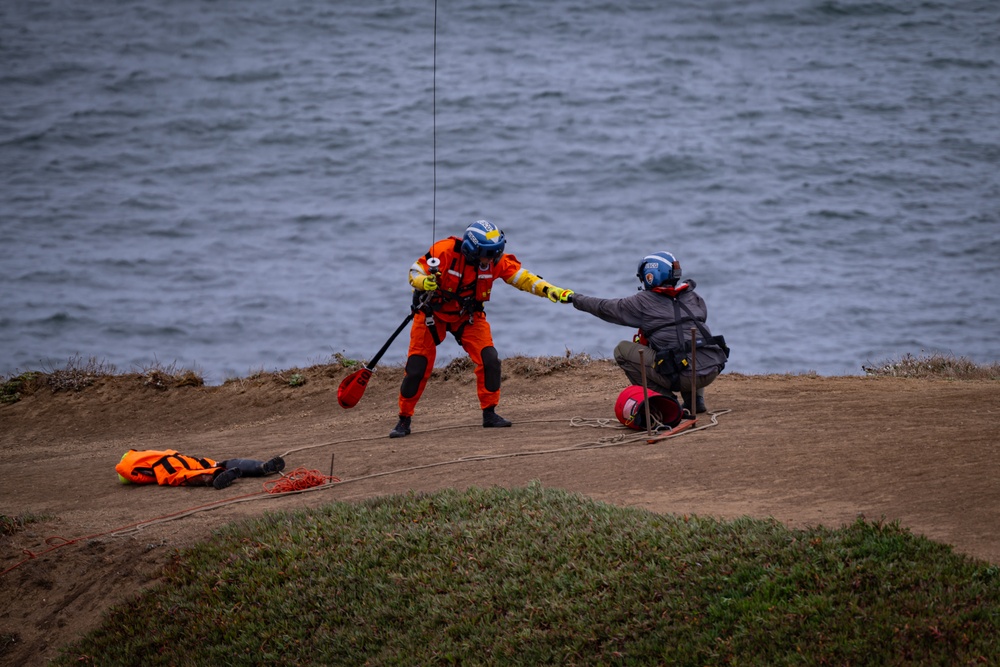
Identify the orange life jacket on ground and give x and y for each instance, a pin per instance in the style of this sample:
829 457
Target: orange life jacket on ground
166 467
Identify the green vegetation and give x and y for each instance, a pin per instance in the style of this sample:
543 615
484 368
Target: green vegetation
14 524
12 389
538 576
345 362
934 366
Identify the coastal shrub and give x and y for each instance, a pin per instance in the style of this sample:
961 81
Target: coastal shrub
933 366
80 373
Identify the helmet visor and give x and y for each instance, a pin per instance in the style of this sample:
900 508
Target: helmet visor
492 253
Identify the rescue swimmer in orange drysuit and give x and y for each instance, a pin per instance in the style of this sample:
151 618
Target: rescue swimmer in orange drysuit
458 283
170 468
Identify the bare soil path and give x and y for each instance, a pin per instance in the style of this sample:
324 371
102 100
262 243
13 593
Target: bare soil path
805 450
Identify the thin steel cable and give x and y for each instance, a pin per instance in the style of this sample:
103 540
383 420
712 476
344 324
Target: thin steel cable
434 121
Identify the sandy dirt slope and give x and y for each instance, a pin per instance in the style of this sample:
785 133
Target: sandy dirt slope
804 450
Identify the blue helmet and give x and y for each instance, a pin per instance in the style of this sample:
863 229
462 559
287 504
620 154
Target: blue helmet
483 240
658 270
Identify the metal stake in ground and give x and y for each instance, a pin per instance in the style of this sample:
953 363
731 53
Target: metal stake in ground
694 373
645 391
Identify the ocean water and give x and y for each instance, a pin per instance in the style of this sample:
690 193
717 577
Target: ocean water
234 187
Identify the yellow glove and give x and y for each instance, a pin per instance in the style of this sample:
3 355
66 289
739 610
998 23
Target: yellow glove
559 295
428 284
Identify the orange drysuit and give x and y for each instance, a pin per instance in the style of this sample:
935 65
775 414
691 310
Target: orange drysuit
166 467
456 307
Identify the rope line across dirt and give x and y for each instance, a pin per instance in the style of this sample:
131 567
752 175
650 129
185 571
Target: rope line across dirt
302 480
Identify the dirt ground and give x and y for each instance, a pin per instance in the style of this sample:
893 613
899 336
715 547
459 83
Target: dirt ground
805 450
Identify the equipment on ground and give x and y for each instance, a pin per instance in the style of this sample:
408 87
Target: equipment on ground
352 387
630 408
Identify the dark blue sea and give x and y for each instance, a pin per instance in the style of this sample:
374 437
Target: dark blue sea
241 186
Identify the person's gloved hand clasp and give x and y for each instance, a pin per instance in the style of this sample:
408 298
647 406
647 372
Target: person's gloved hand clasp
559 295
429 283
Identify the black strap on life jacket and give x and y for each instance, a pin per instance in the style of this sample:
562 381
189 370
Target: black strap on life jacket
164 461
422 302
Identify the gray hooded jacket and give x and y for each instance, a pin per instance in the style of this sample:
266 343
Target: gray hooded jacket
656 315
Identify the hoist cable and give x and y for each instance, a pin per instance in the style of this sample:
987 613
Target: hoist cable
434 120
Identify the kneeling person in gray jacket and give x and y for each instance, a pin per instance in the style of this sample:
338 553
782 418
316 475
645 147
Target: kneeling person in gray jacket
664 310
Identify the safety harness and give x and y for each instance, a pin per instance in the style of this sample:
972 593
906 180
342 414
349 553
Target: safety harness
431 302
672 361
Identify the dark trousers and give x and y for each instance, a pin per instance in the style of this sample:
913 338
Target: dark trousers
628 358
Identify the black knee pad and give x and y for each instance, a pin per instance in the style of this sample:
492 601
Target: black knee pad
491 368
416 366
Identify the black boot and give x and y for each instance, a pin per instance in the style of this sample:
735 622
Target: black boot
226 477
699 404
402 428
492 420
277 464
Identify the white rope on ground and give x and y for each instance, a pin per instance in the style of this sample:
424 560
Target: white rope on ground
617 440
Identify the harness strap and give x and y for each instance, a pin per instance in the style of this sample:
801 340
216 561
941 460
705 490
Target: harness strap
432 325
467 304
422 302
457 333
678 320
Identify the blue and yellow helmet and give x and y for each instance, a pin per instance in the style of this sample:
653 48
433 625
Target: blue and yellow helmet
658 270
483 240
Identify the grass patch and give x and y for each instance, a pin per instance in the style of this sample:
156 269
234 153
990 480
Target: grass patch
538 576
933 366
77 374
10 525
17 385
295 377
158 376
345 362
538 366
520 366
80 373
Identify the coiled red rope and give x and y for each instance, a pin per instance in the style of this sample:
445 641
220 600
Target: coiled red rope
299 479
